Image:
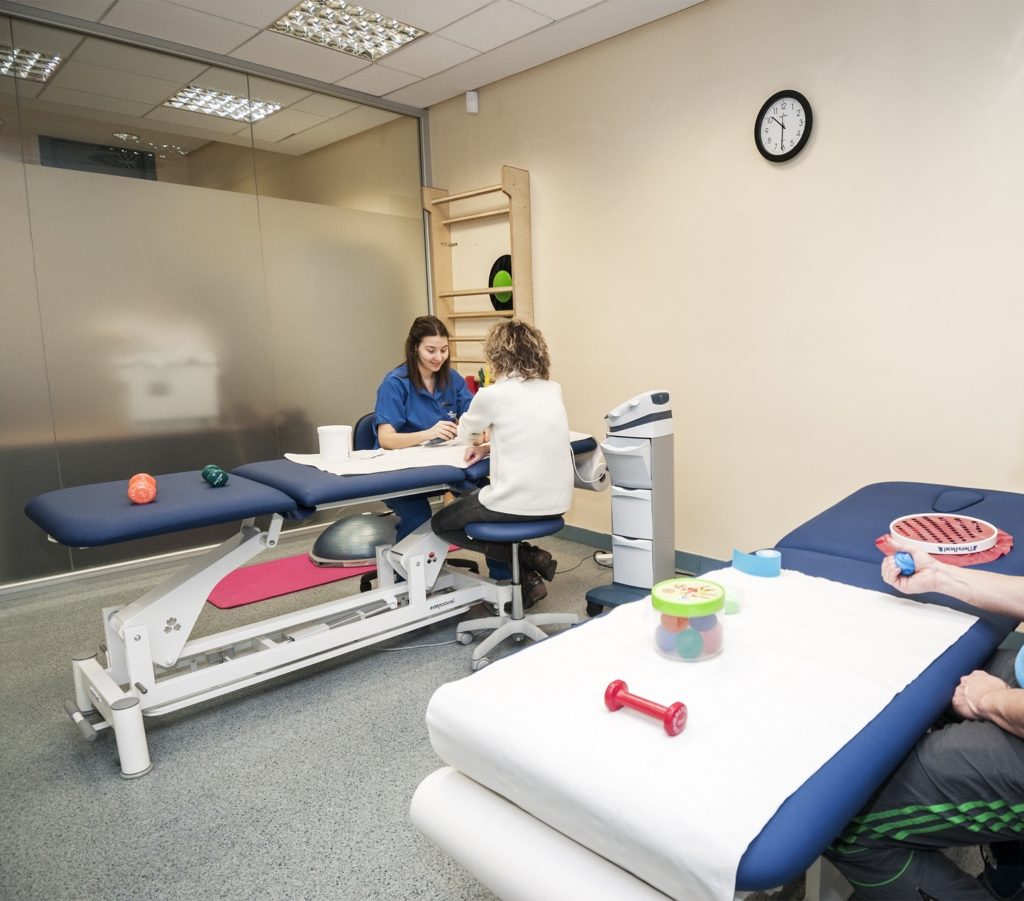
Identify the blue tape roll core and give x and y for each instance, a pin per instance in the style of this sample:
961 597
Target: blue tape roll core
766 563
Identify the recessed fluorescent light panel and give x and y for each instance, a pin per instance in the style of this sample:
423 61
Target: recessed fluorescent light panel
215 103
30 64
343 26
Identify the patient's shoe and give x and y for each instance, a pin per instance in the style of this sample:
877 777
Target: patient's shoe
538 560
1003 875
533 588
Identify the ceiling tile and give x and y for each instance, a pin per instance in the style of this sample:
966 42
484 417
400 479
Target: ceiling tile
258 13
196 121
431 16
495 25
172 22
57 94
299 57
134 59
227 81
283 124
90 10
275 92
378 80
108 82
325 106
30 36
557 9
429 55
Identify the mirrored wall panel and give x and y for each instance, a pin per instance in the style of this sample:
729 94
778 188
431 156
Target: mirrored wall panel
199 266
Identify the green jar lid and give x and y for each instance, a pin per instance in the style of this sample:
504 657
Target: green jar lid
688 597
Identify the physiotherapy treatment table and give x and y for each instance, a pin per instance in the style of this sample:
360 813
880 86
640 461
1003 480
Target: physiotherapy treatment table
152 666
578 830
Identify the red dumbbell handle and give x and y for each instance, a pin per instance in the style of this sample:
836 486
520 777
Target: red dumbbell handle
673 717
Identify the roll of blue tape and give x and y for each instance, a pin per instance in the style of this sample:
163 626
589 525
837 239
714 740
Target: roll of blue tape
766 563
1019 668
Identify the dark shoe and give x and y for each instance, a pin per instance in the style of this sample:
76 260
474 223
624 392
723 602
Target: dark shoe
1003 878
538 560
533 588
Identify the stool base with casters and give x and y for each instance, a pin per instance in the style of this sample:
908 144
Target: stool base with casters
517 623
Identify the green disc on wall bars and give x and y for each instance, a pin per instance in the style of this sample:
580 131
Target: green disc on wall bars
501 277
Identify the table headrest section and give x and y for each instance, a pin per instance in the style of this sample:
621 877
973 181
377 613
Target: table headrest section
850 527
101 514
312 487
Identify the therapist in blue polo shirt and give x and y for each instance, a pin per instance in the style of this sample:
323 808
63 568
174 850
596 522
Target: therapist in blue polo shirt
419 401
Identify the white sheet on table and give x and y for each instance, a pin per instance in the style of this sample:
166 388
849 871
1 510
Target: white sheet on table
364 462
806 664
371 461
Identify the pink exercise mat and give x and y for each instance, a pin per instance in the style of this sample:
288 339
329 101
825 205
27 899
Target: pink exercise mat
275 578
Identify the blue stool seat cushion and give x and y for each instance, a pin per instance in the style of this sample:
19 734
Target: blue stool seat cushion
509 532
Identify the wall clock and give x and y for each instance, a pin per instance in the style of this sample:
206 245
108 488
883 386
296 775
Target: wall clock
783 126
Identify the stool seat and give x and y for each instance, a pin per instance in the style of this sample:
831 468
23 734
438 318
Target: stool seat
514 532
516 623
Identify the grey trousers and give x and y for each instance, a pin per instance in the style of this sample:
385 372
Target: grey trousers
963 784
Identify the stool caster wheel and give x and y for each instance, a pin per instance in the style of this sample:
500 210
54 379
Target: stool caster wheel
366 582
479 664
594 609
464 637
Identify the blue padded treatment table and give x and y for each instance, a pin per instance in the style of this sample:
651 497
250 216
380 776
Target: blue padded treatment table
800 829
839 544
849 529
101 514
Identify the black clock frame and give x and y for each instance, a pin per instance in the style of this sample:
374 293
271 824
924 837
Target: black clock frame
808 118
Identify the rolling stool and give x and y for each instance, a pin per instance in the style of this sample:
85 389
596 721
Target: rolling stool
519 624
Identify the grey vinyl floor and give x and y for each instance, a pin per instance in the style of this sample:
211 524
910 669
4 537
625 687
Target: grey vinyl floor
296 789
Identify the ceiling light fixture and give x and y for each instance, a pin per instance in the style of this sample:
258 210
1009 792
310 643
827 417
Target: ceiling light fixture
161 150
343 26
31 64
215 103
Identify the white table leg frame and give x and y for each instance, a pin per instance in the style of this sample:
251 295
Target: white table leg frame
152 668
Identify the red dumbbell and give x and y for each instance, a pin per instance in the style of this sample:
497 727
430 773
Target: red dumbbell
673 717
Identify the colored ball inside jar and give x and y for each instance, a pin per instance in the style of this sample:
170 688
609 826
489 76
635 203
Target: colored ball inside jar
690 618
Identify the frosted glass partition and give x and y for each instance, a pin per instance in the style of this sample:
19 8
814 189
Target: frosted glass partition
194 288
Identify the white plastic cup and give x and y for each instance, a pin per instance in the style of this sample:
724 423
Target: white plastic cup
335 443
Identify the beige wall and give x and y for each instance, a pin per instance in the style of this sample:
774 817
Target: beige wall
850 317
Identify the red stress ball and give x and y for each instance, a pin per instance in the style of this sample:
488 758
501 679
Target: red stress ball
141 488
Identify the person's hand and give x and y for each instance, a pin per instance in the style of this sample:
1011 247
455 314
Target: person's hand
967 698
476 452
444 429
925 569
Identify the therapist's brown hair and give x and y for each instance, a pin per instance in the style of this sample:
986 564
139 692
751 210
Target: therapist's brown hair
425 327
515 347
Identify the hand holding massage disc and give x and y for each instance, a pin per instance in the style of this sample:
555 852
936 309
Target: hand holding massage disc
141 488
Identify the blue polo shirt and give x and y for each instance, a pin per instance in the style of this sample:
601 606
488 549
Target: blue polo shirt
409 409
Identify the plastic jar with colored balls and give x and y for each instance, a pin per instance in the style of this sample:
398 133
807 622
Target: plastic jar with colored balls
690 619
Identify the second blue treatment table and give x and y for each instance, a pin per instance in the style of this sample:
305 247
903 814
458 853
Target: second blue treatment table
839 545
149 665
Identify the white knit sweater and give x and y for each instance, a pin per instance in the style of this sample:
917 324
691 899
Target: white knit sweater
531 463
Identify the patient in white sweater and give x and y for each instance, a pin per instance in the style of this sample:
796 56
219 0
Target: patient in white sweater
520 422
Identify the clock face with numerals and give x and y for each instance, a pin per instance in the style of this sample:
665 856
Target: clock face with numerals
783 126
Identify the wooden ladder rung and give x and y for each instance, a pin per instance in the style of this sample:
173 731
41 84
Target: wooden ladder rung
475 292
481 314
476 192
470 217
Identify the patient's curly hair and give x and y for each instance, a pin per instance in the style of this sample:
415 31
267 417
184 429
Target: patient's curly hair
515 347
